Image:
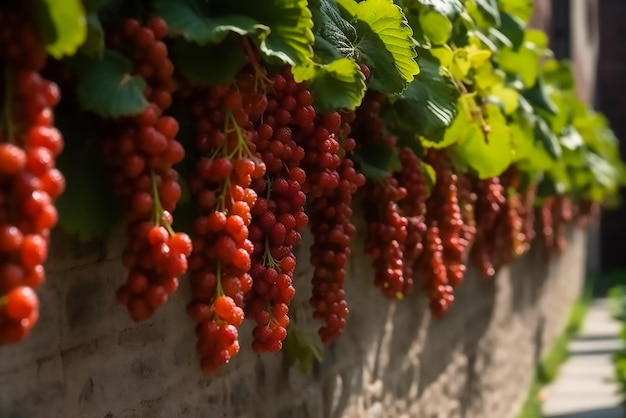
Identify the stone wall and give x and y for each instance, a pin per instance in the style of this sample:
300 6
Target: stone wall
86 359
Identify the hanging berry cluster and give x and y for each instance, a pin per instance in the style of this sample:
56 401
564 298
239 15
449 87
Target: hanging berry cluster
141 152
29 181
260 163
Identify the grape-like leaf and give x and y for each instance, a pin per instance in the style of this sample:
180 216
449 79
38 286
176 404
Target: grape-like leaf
571 138
334 30
428 105
437 28
522 9
537 96
512 28
94 44
290 39
107 87
184 17
302 349
197 63
522 140
376 160
487 156
87 208
489 10
452 9
508 97
523 62
62 24
384 41
547 139
338 85
282 29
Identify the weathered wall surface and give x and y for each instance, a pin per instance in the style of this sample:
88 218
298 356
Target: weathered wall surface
86 359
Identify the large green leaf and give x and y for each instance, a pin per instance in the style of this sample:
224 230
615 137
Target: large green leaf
62 24
197 62
489 155
290 38
538 97
94 44
185 18
334 86
282 29
547 139
334 32
87 208
452 9
384 41
512 28
489 10
109 88
428 105
523 62
436 27
376 160
522 9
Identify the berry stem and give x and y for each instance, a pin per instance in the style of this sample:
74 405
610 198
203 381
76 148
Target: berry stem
158 208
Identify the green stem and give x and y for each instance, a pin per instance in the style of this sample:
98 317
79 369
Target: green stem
158 208
220 291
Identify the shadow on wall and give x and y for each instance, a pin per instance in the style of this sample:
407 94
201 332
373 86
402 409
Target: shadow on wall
405 363
86 359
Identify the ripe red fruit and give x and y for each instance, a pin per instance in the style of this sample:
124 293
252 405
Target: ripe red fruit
21 302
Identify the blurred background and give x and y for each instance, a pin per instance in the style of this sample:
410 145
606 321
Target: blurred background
592 34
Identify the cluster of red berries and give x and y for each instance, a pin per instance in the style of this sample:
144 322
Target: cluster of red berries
141 152
29 181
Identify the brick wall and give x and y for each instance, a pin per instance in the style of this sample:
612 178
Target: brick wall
86 359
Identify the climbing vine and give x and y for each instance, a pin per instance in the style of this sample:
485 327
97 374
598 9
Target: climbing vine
217 131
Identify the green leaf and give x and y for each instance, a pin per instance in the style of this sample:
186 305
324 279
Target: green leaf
490 156
508 97
331 41
107 87
512 28
62 24
547 139
290 39
87 208
489 10
559 73
338 85
571 139
452 9
523 62
537 159
197 63
184 18
94 44
428 105
522 139
376 161
282 29
538 97
522 9
435 26
302 349
384 41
